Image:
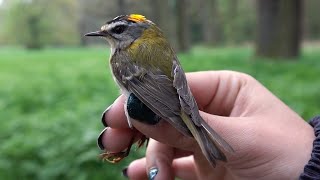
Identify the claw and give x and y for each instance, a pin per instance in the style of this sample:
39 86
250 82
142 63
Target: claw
115 157
142 141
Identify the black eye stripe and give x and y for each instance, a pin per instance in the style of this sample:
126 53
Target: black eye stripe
119 29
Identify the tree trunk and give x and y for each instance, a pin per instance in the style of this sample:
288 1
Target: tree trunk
182 26
162 16
279 28
160 10
157 12
311 23
210 26
232 34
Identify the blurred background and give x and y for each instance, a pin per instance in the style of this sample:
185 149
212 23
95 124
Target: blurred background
54 83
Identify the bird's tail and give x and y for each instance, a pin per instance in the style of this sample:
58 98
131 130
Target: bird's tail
209 141
209 148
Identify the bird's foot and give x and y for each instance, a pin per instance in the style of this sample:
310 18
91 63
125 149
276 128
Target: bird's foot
115 157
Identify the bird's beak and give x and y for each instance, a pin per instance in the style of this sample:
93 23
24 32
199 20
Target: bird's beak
96 33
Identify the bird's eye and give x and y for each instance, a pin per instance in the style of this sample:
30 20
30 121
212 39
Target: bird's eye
119 29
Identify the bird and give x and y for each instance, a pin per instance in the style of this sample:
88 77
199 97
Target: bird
147 70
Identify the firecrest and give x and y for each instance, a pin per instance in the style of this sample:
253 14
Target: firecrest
147 70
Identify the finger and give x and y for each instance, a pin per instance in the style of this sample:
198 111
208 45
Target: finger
137 170
183 168
116 140
159 159
216 91
234 130
115 116
205 170
171 136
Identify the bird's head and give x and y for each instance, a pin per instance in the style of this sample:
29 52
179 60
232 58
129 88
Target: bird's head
123 30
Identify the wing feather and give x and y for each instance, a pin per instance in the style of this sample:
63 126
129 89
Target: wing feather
155 90
190 107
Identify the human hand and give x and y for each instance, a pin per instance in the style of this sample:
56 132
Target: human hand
270 140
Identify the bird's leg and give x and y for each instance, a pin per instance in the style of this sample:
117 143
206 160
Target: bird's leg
115 157
142 140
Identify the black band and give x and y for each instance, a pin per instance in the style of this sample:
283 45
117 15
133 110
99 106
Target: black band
312 169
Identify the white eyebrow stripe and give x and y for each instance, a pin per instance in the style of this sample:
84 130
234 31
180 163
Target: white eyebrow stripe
116 17
112 25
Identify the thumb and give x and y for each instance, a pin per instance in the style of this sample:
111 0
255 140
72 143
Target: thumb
234 130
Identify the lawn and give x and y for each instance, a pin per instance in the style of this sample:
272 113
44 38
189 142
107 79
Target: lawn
51 101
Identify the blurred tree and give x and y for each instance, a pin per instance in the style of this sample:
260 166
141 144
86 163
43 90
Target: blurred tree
232 30
210 17
31 21
37 23
183 26
209 22
279 28
2 35
92 14
312 23
237 21
62 17
122 7
246 21
161 12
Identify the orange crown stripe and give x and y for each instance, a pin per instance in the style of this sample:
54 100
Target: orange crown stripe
136 18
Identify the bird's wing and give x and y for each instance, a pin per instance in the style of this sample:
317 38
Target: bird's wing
190 107
155 90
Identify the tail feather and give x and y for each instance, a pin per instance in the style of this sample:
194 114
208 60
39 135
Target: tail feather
216 138
206 140
210 149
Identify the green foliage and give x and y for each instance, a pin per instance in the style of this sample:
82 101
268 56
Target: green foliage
36 23
51 101
50 105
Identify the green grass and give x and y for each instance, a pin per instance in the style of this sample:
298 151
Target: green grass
51 101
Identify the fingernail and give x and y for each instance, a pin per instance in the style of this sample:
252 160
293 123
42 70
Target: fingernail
125 172
99 141
152 173
140 112
103 115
